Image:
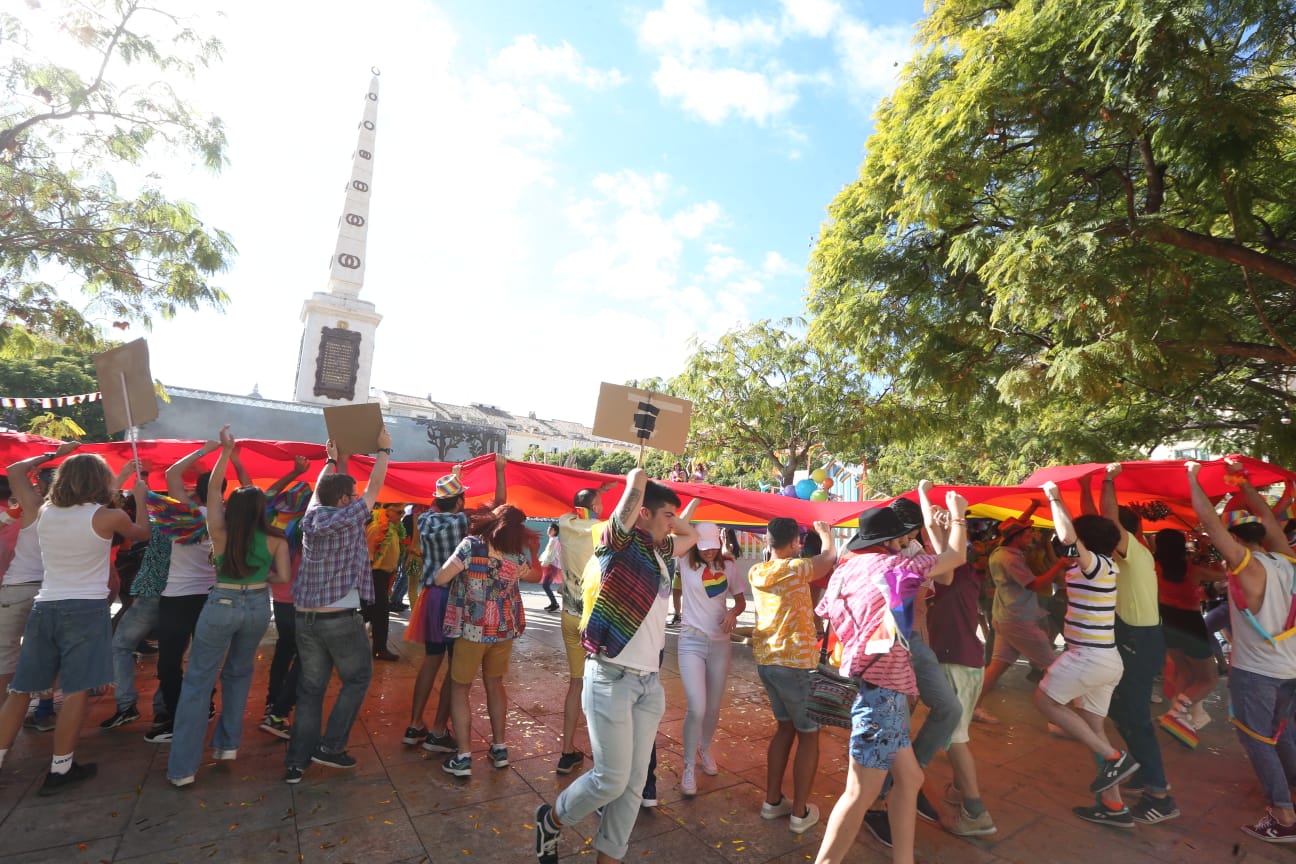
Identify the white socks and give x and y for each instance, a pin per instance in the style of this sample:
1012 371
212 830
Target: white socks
61 764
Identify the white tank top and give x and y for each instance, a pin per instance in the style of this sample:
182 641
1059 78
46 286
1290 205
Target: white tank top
76 558
1251 652
26 566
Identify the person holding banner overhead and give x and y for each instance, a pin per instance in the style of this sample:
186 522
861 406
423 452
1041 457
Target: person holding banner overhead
69 630
248 553
333 579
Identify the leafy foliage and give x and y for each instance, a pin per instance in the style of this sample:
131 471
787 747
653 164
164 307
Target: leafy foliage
68 137
1074 230
49 369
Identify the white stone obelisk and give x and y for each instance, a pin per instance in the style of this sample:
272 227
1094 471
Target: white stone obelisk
338 340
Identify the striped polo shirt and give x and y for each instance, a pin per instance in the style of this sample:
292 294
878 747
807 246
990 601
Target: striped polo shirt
1091 605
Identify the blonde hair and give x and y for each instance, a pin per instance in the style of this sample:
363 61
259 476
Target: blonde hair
82 479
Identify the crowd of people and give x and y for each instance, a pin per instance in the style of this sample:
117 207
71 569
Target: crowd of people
898 614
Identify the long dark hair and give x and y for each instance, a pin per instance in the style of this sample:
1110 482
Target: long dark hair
504 529
245 515
1172 554
695 558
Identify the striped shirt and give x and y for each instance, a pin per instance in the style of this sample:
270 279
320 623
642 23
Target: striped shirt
633 577
1091 605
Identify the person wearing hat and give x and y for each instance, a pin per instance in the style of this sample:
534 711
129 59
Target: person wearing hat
1262 678
1017 616
869 605
786 650
709 578
441 529
943 709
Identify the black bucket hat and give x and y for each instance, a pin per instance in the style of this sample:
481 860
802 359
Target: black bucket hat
877 525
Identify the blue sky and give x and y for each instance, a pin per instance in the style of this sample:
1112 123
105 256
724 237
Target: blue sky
564 193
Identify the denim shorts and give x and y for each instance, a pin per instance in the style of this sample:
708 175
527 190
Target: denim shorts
879 727
788 690
70 640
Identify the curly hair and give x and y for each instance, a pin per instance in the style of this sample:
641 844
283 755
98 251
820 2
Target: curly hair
82 479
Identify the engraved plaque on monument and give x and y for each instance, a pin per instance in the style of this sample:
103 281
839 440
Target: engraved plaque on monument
337 363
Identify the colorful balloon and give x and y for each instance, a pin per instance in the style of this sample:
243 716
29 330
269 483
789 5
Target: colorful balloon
818 475
805 488
790 490
819 495
826 483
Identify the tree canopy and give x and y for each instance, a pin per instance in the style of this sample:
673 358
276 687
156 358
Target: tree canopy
766 398
1077 222
72 141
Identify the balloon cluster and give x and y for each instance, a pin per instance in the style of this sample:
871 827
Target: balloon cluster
812 488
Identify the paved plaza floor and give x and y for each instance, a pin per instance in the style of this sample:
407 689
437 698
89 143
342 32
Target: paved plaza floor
398 805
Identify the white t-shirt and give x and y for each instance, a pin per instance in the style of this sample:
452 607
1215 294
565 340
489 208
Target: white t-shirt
644 650
75 557
26 566
706 593
191 571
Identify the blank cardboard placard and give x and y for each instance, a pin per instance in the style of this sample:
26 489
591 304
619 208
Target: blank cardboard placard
354 428
622 411
132 361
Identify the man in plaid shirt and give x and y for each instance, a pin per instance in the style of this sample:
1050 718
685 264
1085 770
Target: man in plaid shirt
441 530
333 579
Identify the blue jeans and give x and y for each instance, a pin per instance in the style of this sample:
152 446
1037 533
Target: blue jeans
943 708
325 640
1263 705
230 628
1142 651
135 624
622 709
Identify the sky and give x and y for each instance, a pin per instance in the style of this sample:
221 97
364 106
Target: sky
564 192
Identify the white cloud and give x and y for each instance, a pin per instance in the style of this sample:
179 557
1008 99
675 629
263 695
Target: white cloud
684 28
812 17
716 94
872 57
525 59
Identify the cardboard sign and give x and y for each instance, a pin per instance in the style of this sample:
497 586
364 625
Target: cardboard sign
125 380
642 417
354 428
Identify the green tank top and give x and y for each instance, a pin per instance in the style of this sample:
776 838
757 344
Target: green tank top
259 561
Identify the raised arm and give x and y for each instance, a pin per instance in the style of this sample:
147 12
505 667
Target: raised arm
244 478
175 474
1087 505
627 510
330 467
501 487
1063 525
215 503
1110 509
936 532
300 464
379 473
954 554
824 562
20 485
684 535
108 521
1275 540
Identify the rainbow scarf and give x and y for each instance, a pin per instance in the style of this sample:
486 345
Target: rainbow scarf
624 587
179 521
286 509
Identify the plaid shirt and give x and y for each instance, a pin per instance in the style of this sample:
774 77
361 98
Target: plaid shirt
441 534
335 557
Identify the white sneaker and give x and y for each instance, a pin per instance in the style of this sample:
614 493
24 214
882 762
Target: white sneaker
225 755
182 782
688 782
709 766
775 811
802 824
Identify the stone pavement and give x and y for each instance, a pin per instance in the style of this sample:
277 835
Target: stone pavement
398 805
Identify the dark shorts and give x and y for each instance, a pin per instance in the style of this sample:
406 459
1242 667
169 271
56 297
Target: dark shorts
436 649
68 640
1185 630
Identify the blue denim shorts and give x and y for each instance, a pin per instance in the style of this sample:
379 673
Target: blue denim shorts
879 727
788 690
68 640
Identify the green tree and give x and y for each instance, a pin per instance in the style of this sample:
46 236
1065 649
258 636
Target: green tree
48 369
1079 215
768 397
64 134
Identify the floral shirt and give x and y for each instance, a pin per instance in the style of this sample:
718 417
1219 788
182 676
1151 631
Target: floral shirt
785 632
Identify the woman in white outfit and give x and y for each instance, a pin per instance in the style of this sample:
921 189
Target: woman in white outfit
708 578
